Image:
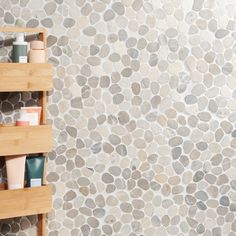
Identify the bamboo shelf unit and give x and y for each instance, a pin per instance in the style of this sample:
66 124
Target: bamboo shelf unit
17 77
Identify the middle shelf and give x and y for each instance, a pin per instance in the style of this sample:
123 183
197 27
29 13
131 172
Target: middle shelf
25 139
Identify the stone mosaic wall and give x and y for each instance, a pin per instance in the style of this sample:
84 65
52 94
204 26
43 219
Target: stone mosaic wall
143 112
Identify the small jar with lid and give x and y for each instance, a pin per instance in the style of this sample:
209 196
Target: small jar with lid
37 52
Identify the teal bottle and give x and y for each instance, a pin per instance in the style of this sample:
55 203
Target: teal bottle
20 48
34 171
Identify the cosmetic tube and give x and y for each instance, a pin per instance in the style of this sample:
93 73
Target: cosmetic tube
15 166
23 119
33 114
34 171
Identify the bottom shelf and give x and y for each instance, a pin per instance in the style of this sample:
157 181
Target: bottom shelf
23 202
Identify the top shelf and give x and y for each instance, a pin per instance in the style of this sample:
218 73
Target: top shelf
21 30
25 77
17 77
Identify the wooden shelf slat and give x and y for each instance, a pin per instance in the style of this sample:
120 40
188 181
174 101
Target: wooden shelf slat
23 202
25 77
21 30
25 139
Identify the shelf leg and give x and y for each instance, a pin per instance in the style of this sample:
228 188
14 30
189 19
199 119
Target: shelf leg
43 104
41 225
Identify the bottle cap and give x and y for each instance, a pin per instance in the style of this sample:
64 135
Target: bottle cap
20 37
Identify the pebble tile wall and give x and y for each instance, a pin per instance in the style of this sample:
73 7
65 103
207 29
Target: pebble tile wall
143 112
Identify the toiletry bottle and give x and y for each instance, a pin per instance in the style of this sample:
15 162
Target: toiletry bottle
35 170
15 166
23 119
33 113
37 52
20 47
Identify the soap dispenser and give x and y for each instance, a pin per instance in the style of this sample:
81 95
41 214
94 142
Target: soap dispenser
20 47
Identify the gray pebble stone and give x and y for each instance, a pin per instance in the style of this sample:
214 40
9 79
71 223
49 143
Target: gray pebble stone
232 207
126 207
70 195
210 178
107 229
98 212
90 203
142 183
32 23
108 15
190 200
85 230
176 152
143 29
8 18
155 186
184 160
192 223
95 232
227 68
76 102
52 177
216 159
190 99
216 231
121 149
126 72
201 195
47 22
137 4
204 116
176 141
50 8
68 22
202 146
233 184
118 8
171 32
224 201
201 205
89 31
24 224
93 222
200 229
197 5
165 220
136 226
86 9
107 178
173 45
156 221
221 33
96 148
178 167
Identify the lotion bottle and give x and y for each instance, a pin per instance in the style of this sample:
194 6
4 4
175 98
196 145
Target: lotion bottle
20 47
15 166
37 52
